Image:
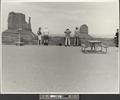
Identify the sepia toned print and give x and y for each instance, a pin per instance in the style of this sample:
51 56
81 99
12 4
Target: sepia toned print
60 47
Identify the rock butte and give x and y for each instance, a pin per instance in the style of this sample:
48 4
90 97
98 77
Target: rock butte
16 21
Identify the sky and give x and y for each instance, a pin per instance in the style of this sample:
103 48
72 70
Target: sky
102 18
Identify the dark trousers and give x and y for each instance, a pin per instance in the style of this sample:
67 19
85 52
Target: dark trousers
39 42
76 41
46 40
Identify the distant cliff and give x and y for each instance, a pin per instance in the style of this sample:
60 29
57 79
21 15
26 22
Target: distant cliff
16 21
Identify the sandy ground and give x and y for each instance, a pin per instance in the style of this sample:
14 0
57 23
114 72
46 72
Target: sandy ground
58 69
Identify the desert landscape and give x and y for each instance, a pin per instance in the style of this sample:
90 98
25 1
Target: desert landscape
60 47
58 69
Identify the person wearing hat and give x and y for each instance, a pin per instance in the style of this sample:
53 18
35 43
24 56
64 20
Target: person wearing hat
67 37
39 33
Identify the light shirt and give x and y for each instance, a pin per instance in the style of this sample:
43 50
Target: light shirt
39 33
45 32
39 37
76 33
67 33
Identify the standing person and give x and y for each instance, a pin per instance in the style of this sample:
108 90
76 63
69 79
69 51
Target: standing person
39 33
67 37
46 36
117 38
76 37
